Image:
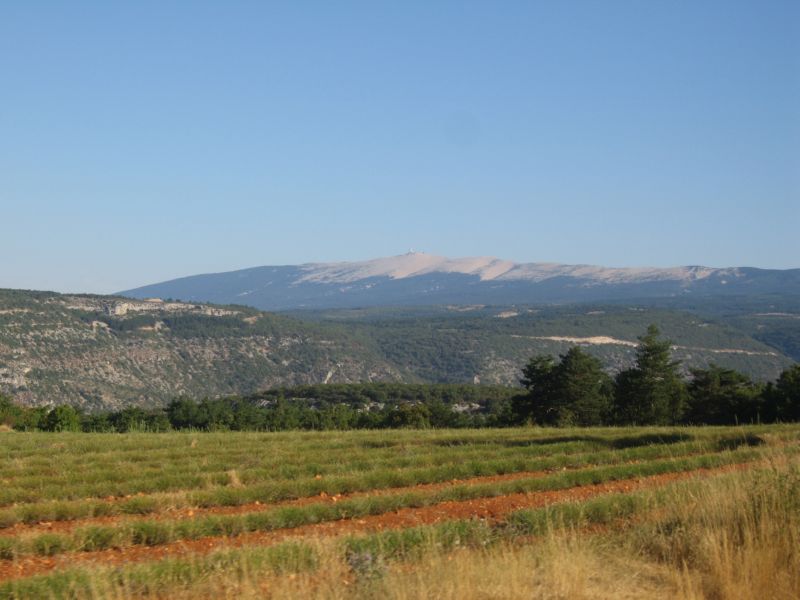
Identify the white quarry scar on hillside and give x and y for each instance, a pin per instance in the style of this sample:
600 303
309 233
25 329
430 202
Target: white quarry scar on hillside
600 340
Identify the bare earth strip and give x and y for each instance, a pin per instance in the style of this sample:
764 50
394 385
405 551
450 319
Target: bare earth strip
491 509
172 514
193 512
604 340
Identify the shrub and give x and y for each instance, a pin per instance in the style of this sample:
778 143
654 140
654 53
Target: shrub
8 548
150 533
50 544
97 538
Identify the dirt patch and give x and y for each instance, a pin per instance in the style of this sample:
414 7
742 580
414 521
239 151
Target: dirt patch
490 509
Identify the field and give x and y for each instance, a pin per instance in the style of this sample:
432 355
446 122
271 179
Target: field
513 513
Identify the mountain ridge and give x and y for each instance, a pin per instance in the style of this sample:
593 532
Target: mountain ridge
416 278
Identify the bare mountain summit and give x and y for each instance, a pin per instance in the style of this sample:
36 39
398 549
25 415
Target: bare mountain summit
417 278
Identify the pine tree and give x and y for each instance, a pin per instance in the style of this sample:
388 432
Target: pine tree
652 392
581 391
575 391
719 396
537 379
788 393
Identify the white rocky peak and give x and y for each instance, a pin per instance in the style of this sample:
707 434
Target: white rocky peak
489 268
405 265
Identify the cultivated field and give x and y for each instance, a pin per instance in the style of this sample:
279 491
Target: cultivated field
513 513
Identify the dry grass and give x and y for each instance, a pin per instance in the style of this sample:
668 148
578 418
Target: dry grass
731 537
568 567
233 479
737 537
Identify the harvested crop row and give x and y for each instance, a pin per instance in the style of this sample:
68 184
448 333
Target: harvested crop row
375 562
494 509
155 450
117 480
194 511
370 480
85 479
154 532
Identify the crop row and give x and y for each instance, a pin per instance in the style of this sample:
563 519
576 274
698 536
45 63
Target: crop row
364 554
202 452
205 470
156 532
84 479
374 479
38 450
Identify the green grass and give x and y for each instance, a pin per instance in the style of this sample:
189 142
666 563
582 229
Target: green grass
152 578
62 477
195 469
367 556
458 465
153 533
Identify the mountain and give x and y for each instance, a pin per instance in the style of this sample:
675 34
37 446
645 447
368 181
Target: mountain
110 352
419 279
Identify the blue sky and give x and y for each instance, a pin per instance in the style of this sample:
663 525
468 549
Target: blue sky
144 141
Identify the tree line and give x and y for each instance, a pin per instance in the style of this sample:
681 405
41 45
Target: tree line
308 407
572 390
576 391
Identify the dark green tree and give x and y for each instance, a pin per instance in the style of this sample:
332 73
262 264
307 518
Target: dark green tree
157 422
218 414
184 413
575 391
62 418
719 396
652 392
787 392
580 393
32 419
284 416
129 419
97 423
537 377
409 416
248 416
337 416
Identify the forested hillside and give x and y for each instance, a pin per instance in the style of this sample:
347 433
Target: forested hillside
104 352
456 343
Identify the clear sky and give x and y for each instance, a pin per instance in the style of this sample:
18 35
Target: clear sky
141 141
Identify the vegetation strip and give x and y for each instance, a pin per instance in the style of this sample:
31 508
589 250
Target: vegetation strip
61 475
290 490
494 508
363 553
112 481
156 533
402 544
129 514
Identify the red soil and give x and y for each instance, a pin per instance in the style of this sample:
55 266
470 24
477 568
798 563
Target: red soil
491 509
195 512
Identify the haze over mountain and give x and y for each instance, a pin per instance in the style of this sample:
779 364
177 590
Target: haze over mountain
417 278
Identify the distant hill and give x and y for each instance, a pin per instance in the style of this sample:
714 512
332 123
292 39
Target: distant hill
490 343
423 279
111 352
